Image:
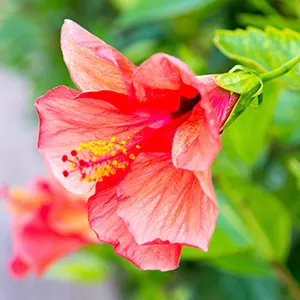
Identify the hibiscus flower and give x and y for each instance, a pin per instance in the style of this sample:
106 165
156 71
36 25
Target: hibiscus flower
48 223
146 136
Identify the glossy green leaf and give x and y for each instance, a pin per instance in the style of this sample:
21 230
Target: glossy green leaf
267 220
154 10
262 50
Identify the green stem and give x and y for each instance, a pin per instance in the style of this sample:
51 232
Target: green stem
287 278
281 70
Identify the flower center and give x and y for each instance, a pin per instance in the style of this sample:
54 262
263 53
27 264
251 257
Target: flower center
186 105
98 159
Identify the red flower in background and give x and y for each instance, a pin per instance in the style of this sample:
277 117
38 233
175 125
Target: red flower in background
147 136
48 223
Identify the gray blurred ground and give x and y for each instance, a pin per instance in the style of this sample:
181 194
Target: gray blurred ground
19 162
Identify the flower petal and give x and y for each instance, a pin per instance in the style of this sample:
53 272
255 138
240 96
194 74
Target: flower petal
222 101
66 121
18 267
196 142
111 229
167 204
159 83
94 65
34 240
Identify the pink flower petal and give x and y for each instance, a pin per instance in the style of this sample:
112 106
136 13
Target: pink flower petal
66 120
222 101
111 229
167 204
196 142
159 83
93 64
34 244
18 267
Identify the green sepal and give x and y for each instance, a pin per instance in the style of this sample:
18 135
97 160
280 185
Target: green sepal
247 84
238 82
257 101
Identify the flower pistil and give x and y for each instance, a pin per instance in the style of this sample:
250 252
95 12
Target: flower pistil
98 159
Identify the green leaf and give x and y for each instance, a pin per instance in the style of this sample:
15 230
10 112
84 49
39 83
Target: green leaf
216 285
248 136
264 6
294 167
244 264
245 288
257 101
269 20
286 118
80 266
262 50
221 244
267 221
154 10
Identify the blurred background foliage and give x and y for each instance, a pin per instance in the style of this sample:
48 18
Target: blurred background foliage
257 173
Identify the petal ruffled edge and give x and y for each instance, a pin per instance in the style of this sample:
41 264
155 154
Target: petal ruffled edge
111 229
166 204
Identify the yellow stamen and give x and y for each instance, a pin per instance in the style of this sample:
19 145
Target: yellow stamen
93 161
132 156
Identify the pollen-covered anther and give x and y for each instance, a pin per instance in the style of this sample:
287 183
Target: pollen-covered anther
99 159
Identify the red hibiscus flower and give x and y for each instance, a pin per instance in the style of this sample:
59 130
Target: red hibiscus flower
146 136
48 223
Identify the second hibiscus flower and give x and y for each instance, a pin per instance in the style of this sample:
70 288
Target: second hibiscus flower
146 136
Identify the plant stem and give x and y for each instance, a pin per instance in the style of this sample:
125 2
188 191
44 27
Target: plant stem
287 278
281 70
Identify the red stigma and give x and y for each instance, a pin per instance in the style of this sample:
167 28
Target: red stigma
64 158
82 163
65 173
73 152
